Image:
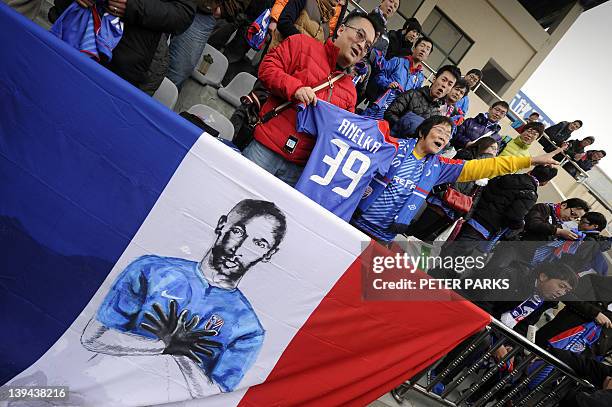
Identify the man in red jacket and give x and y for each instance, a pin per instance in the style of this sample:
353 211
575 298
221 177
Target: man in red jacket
290 72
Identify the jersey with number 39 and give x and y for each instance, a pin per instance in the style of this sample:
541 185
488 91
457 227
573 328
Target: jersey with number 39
349 150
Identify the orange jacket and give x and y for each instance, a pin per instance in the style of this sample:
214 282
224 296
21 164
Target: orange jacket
279 5
277 9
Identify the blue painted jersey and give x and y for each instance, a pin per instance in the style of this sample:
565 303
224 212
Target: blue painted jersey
154 279
377 219
349 150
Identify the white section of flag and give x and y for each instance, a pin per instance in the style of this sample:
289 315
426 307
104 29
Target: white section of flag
316 251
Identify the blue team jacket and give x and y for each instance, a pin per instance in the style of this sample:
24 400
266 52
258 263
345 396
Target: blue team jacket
474 128
398 70
437 170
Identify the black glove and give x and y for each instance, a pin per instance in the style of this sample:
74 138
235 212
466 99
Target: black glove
399 228
177 333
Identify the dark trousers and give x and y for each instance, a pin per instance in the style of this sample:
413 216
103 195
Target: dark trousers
429 225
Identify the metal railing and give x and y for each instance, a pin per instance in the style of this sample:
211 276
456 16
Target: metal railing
538 379
567 159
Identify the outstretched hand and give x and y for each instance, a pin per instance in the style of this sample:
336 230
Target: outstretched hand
546 159
177 332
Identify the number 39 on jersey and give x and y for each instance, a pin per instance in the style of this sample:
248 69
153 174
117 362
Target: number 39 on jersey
349 150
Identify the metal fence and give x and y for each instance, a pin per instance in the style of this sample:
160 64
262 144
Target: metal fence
538 378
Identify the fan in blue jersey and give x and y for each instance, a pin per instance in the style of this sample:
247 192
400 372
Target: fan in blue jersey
350 149
392 201
191 310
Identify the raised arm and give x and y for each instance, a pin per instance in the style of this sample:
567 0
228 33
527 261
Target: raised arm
493 167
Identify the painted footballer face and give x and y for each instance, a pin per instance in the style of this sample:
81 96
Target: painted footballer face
243 242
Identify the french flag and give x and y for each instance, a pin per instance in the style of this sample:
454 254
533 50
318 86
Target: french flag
145 263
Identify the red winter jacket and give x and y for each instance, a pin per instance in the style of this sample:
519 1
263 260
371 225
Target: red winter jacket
299 61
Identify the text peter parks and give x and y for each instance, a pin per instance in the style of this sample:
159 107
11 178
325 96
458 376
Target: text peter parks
395 277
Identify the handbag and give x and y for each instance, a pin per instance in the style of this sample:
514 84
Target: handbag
450 232
247 117
457 201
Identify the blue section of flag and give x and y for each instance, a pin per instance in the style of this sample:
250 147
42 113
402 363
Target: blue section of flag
524 106
83 158
257 31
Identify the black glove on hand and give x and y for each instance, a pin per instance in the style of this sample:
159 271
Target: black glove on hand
177 334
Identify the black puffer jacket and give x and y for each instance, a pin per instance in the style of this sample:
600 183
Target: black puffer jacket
144 23
540 224
592 296
398 46
505 201
417 101
558 133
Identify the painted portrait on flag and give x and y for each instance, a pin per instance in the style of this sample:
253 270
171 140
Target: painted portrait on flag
146 263
193 311
207 295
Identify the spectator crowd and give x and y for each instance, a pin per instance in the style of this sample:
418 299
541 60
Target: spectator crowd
414 159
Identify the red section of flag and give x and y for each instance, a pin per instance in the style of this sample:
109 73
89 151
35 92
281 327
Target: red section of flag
350 351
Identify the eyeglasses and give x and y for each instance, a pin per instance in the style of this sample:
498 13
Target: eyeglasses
533 132
499 110
442 130
361 37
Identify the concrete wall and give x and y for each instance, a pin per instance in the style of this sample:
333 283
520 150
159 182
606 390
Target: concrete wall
502 30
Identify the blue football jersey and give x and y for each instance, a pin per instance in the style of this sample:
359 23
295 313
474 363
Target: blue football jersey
349 150
151 280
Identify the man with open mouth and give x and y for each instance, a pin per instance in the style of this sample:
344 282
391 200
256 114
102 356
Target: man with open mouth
395 198
422 102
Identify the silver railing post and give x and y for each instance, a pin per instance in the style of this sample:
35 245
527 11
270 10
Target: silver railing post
525 389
